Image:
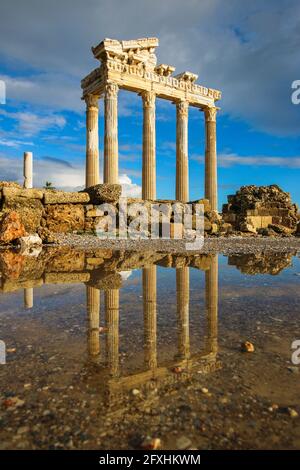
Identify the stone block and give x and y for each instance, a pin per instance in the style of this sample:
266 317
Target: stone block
30 211
9 192
66 278
62 197
105 192
65 217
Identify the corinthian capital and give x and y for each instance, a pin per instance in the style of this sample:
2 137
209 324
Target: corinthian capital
148 99
182 108
92 101
210 114
111 90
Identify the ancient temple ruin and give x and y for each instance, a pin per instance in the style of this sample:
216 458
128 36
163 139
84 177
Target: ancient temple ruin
132 65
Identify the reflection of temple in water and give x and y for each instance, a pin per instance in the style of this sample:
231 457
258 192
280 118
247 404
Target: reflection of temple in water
184 363
261 263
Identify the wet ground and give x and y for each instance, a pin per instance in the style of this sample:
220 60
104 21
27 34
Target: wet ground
105 350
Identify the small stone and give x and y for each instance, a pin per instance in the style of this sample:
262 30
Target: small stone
177 370
273 407
151 443
27 385
246 346
13 402
23 430
183 442
135 392
293 413
204 390
11 350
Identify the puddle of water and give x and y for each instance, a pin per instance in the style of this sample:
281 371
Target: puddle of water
105 348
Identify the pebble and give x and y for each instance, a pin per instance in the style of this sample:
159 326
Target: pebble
293 413
151 443
246 346
204 390
135 392
183 442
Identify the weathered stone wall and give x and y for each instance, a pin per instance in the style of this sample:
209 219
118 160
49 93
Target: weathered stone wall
265 210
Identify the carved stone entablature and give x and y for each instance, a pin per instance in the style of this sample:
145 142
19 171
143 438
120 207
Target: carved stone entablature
139 52
132 66
188 77
164 69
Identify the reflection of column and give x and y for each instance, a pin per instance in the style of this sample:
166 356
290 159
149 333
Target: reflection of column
182 173
93 311
211 302
28 297
183 298
111 172
149 296
92 141
149 168
112 323
211 157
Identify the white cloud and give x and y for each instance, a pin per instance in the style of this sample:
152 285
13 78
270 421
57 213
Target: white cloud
30 124
61 173
249 50
232 159
129 189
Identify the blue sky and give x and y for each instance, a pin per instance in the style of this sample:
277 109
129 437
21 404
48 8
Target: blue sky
248 51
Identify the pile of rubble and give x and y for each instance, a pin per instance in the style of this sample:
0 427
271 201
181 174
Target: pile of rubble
265 210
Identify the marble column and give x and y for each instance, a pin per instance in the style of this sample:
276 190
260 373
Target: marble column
27 170
211 157
93 311
183 298
112 322
150 327
182 172
211 303
111 171
92 141
149 146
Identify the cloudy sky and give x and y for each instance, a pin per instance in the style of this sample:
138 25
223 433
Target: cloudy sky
248 50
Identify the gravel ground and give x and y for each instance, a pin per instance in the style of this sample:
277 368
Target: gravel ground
223 245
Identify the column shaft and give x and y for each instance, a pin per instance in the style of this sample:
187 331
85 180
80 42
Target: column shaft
182 173
27 170
112 322
211 301
149 146
183 298
150 328
111 171
92 141
28 297
211 157
93 311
